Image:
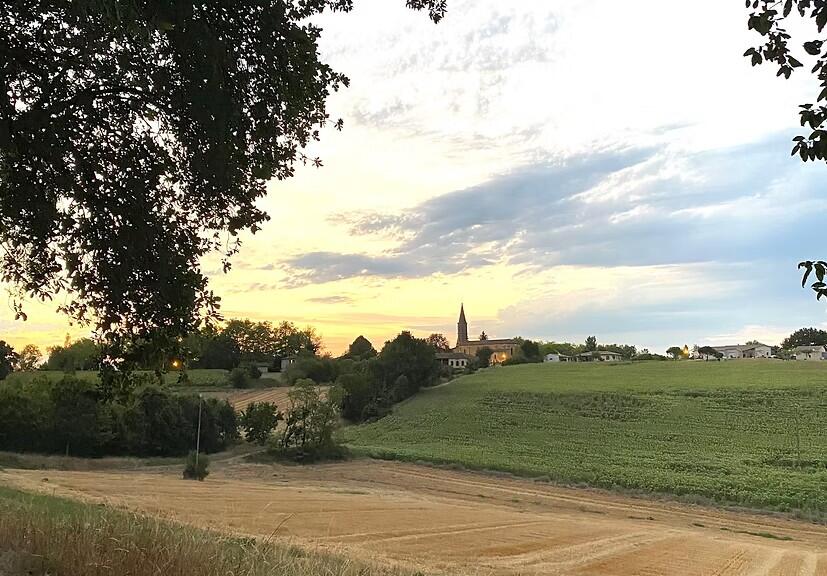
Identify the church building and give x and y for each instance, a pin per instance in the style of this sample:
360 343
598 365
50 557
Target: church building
501 350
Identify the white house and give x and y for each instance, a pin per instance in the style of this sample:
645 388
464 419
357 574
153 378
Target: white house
734 351
454 360
810 353
599 356
556 357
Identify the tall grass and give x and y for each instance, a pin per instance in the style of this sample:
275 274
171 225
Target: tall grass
70 538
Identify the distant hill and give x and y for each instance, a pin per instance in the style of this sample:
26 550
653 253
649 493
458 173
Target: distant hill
746 432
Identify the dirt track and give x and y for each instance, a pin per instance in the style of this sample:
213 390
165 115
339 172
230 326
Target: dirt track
439 520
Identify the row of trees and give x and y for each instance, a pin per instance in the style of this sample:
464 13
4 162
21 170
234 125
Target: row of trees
76 416
237 343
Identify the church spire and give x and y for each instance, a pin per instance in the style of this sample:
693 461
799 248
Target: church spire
462 326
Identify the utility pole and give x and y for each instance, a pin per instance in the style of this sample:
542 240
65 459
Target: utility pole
198 435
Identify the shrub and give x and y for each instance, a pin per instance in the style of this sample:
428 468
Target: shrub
320 370
238 378
252 371
196 467
259 421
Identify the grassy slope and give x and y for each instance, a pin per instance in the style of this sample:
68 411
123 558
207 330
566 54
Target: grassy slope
49 535
725 431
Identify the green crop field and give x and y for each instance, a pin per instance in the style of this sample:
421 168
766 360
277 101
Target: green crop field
746 432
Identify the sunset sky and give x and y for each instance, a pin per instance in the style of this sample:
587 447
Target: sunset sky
563 167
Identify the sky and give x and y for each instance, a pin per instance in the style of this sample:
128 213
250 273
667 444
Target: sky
564 168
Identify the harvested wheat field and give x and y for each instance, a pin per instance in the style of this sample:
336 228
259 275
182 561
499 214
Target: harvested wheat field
439 520
278 396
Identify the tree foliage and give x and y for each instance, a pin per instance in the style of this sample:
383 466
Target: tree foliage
309 425
484 356
676 352
259 421
769 19
83 354
439 342
591 344
29 358
137 137
370 388
360 349
8 359
805 337
72 416
708 351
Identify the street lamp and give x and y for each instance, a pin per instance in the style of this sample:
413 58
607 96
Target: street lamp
198 435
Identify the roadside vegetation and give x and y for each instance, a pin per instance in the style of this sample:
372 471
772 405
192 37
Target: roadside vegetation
749 432
42 535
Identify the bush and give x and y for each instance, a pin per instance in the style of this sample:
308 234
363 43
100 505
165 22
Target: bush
239 378
259 420
196 468
321 370
252 371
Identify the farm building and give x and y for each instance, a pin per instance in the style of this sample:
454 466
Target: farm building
810 353
557 357
455 360
286 362
735 351
599 356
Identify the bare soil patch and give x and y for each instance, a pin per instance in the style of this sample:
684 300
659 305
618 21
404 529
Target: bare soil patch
440 520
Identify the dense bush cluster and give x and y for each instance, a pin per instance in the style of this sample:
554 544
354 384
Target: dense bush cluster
371 386
73 416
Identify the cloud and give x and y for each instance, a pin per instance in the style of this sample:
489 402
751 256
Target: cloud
616 207
330 300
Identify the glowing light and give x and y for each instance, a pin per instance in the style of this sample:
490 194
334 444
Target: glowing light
176 363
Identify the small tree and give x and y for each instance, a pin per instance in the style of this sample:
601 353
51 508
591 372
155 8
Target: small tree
484 356
29 358
675 352
591 344
309 425
361 349
707 351
259 420
196 467
439 342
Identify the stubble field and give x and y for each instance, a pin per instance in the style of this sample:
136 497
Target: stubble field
436 521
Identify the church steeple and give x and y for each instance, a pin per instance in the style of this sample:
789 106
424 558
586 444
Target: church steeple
462 326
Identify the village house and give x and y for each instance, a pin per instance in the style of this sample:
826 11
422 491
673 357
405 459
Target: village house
735 351
810 353
453 360
599 356
557 357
